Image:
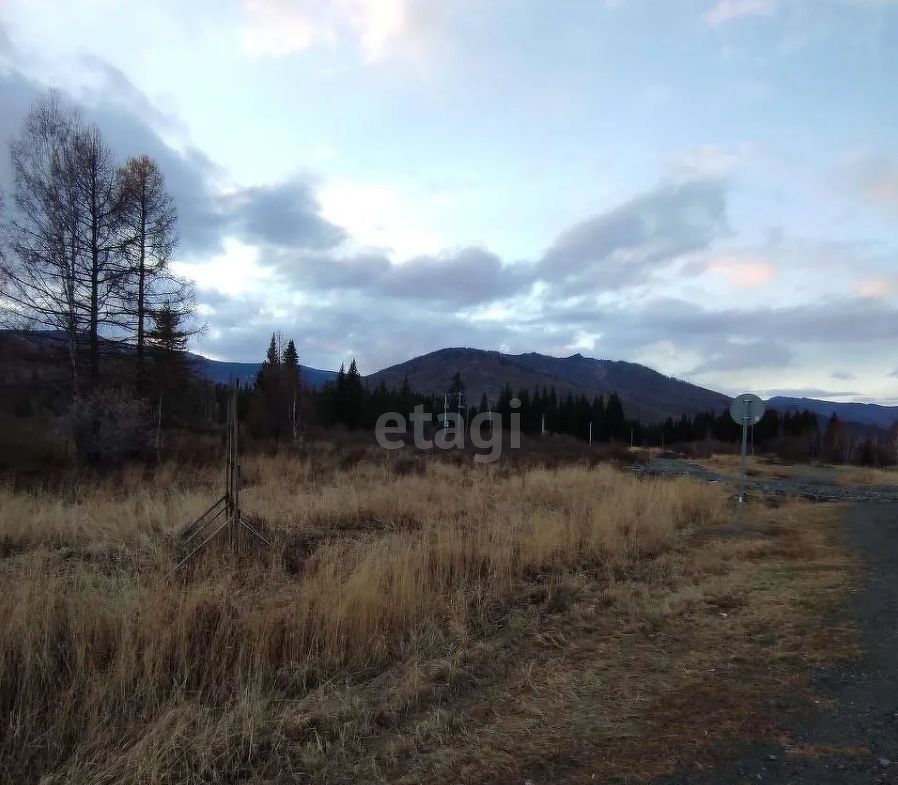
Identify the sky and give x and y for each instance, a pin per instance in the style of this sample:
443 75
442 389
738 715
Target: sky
708 187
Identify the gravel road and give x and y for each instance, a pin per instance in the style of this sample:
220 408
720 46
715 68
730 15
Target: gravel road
855 725
820 491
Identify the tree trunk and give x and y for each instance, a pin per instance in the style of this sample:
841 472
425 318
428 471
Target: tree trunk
141 282
94 279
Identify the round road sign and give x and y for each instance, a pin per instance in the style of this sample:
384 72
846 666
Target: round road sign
747 409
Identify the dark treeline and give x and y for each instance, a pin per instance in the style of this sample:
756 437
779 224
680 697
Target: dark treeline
348 402
278 408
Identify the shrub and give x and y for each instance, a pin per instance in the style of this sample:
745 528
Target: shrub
108 426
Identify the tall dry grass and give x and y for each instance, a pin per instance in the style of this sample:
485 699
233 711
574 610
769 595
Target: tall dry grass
114 669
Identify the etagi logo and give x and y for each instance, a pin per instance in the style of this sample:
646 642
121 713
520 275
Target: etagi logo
484 430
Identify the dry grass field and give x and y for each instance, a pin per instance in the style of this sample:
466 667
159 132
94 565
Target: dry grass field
417 621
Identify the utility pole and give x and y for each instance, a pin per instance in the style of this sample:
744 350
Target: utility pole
590 433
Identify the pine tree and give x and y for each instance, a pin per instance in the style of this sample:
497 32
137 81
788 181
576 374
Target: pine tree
406 398
614 417
167 342
457 385
270 401
292 386
269 364
354 397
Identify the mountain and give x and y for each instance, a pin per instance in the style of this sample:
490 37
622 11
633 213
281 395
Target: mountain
860 413
222 371
646 394
44 351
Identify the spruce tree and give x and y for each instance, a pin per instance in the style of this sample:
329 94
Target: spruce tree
291 383
354 397
167 343
614 417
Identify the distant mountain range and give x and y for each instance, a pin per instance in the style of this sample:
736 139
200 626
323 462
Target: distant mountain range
860 413
646 394
222 371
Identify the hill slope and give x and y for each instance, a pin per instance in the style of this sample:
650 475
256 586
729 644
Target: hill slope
646 394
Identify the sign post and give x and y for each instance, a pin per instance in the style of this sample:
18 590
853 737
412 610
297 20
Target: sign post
746 410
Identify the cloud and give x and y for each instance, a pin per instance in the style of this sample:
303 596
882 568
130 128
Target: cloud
612 250
283 214
843 376
874 178
726 11
745 273
806 392
379 27
876 287
624 244
456 278
746 355
466 276
709 161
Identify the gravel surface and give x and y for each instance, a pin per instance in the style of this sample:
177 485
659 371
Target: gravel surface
855 725
820 491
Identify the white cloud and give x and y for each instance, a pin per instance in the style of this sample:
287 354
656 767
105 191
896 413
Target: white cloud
710 160
725 11
744 272
233 272
379 27
379 216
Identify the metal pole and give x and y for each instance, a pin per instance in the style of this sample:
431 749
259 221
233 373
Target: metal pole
590 434
742 462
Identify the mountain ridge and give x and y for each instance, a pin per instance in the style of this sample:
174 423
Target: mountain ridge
646 394
877 414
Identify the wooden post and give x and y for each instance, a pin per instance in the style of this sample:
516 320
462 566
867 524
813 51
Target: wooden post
159 427
227 505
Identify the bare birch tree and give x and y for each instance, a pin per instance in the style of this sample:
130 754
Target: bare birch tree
99 235
43 274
